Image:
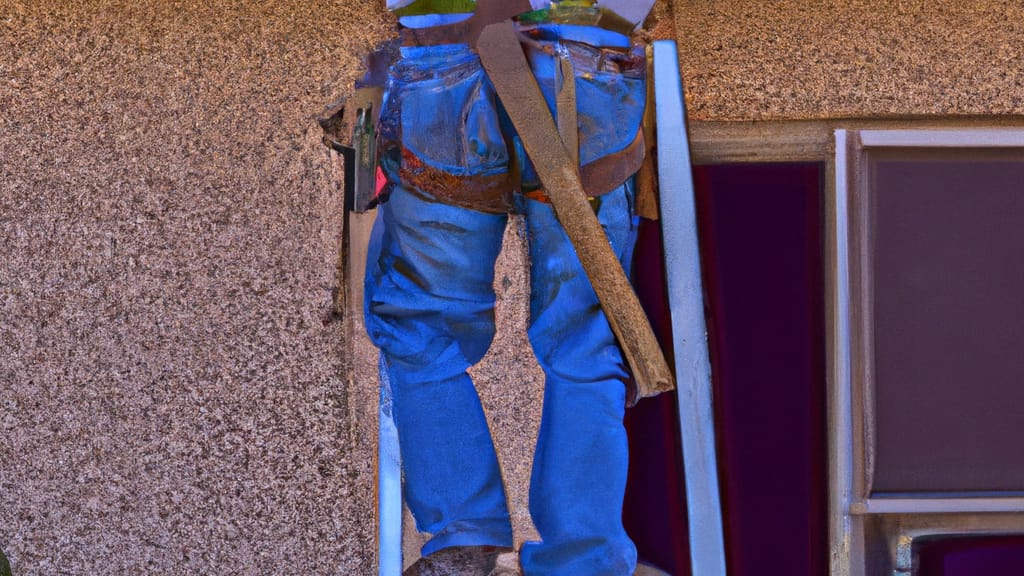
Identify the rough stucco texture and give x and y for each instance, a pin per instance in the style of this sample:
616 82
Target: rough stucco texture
756 60
173 391
172 385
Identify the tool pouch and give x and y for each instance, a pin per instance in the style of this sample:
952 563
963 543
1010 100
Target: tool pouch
444 134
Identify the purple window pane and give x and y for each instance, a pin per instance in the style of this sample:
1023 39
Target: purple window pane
948 321
974 556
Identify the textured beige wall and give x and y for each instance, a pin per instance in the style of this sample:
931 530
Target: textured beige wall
790 59
172 389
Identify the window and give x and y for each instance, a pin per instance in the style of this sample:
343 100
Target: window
927 308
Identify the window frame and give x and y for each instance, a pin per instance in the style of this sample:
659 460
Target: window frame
860 524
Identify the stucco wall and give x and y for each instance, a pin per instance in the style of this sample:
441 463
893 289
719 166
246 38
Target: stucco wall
793 59
172 386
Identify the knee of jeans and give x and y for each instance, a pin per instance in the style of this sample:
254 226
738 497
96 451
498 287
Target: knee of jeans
606 366
430 341
577 347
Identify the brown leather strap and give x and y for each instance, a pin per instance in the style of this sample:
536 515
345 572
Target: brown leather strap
647 175
565 107
609 172
503 58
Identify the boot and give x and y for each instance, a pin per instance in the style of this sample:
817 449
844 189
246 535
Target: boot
458 561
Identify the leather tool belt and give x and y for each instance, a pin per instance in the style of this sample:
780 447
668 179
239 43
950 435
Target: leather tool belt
445 135
460 119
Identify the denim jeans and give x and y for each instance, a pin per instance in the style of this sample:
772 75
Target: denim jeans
430 310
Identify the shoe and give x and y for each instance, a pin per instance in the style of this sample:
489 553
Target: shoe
458 561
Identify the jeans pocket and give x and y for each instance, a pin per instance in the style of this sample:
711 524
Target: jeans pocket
451 123
611 111
451 144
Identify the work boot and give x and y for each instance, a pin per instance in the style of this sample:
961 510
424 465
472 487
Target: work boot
458 561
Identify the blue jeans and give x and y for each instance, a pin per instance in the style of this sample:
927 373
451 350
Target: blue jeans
430 310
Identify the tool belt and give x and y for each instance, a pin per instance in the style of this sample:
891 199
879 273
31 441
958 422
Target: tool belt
445 135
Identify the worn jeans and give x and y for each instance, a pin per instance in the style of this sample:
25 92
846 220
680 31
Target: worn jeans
430 310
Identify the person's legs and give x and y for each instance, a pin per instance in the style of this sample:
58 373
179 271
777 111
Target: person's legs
430 309
580 465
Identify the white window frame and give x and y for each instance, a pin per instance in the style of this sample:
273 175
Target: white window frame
860 526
